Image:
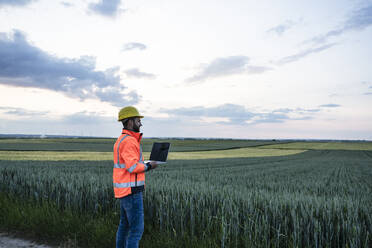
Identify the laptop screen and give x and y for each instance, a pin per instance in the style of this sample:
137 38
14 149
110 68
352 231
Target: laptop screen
159 151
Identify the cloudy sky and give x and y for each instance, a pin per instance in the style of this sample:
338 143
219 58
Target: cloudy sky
221 68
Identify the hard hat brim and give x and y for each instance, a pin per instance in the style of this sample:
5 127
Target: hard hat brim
140 116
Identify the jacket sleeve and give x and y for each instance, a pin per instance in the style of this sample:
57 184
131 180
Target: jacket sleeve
130 153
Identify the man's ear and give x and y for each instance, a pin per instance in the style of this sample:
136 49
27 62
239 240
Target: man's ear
130 120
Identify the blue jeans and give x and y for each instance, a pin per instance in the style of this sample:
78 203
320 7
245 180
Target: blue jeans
131 221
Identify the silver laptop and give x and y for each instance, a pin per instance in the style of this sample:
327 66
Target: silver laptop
159 152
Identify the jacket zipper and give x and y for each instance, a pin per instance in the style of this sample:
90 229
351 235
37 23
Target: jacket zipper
139 160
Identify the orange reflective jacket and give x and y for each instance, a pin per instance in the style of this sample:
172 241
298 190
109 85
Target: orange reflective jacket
129 168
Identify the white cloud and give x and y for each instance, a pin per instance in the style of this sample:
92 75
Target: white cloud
108 8
67 4
358 20
303 54
23 113
331 105
239 115
134 46
226 66
136 73
281 28
24 65
15 2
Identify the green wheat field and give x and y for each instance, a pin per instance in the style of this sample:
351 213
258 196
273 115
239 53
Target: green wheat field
211 193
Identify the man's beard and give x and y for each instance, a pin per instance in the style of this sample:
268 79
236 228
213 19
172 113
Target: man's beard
136 128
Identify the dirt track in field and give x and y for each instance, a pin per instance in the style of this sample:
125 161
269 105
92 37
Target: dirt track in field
7 241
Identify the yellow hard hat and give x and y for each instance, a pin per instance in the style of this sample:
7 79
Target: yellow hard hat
128 112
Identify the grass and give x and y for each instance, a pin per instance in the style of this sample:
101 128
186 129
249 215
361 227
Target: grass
232 153
248 197
48 224
105 145
54 156
353 146
98 156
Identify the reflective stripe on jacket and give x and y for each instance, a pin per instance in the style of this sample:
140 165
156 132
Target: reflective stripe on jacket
129 168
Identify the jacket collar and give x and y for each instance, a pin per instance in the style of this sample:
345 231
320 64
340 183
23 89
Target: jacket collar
137 136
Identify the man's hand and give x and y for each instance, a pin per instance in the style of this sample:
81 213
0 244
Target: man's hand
153 164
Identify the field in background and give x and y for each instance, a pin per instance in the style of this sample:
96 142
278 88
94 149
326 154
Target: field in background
105 145
97 156
212 193
360 146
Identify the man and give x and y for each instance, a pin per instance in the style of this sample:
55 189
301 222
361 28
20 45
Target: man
129 178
